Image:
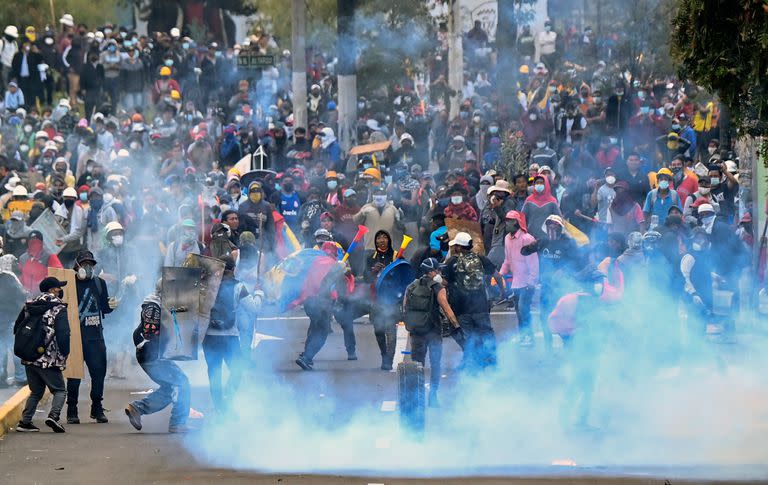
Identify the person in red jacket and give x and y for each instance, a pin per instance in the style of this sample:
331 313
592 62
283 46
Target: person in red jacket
34 263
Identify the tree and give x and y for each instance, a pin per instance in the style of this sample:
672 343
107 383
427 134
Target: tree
38 12
722 45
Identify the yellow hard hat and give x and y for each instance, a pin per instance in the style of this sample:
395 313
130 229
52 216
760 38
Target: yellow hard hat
165 71
524 69
665 171
373 172
175 95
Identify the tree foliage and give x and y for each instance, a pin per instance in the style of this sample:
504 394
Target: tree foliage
723 46
38 12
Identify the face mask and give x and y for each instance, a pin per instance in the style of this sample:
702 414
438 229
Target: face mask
255 197
493 130
112 48
84 196
27 128
134 145
108 198
538 188
59 294
511 226
185 45
288 187
188 238
610 180
619 93
597 99
23 148
711 150
438 278
533 117
168 62
707 220
641 95
379 200
541 144
704 190
696 246
107 31
456 200
332 184
68 203
664 184
644 110
675 127
476 119
360 106
714 181
547 28
84 273
676 170
117 241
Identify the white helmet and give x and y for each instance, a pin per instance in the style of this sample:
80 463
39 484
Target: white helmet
69 192
113 226
20 191
12 31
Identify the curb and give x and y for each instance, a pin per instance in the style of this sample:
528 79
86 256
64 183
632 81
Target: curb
10 410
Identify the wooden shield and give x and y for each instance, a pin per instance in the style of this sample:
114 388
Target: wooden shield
75 369
470 227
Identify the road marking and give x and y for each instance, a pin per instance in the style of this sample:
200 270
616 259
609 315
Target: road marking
258 337
400 344
140 393
388 406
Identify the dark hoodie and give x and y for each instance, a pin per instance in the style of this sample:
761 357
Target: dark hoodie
538 207
375 256
146 337
54 313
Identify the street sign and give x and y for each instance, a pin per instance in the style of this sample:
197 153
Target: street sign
253 61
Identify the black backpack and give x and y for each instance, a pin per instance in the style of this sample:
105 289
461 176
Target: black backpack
29 333
419 307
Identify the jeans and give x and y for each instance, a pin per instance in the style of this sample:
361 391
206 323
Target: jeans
38 379
19 373
524 297
345 314
432 342
217 350
480 345
174 389
95 357
319 313
385 329
133 100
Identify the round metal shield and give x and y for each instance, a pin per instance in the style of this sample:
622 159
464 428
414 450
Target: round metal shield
393 280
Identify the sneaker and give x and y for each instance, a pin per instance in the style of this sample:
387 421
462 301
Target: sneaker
386 366
23 427
352 356
134 416
304 363
99 416
180 428
55 425
73 420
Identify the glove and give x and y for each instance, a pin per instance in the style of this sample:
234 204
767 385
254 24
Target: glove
112 302
458 333
697 300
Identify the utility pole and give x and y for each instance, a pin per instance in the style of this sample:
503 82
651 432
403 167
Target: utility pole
346 49
299 63
455 56
506 41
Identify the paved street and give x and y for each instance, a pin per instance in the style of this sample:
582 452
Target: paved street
339 420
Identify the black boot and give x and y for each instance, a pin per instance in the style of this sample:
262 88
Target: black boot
72 417
97 413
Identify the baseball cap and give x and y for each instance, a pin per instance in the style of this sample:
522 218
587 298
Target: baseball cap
50 282
430 264
462 239
17 216
85 257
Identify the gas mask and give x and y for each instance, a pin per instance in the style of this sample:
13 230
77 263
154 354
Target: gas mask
117 240
85 272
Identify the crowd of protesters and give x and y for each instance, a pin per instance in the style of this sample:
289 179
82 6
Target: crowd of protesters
132 142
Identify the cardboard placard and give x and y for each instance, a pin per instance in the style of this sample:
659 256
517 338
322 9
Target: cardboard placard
75 369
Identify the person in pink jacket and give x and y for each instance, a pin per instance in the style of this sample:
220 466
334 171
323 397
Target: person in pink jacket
524 271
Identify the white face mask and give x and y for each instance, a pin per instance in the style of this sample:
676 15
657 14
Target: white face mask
696 246
456 199
610 180
533 117
438 278
332 184
117 241
541 144
108 198
704 190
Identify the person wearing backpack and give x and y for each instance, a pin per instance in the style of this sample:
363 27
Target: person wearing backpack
174 384
93 303
42 342
467 274
422 299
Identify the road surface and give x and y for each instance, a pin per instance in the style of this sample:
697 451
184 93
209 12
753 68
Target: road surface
249 448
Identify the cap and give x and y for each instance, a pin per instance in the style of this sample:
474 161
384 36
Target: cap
41 134
67 20
373 172
36 235
165 71
49 283
499 188
430 264
85 257
458 138
462 239
188 223
545 168
65 103
349 193
11 31
706 208
731 166
70 192
17 216
331 175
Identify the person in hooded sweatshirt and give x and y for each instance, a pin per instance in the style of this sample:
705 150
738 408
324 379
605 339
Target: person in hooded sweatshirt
540 205
174 385
383 316
524 270
34 263
256 216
